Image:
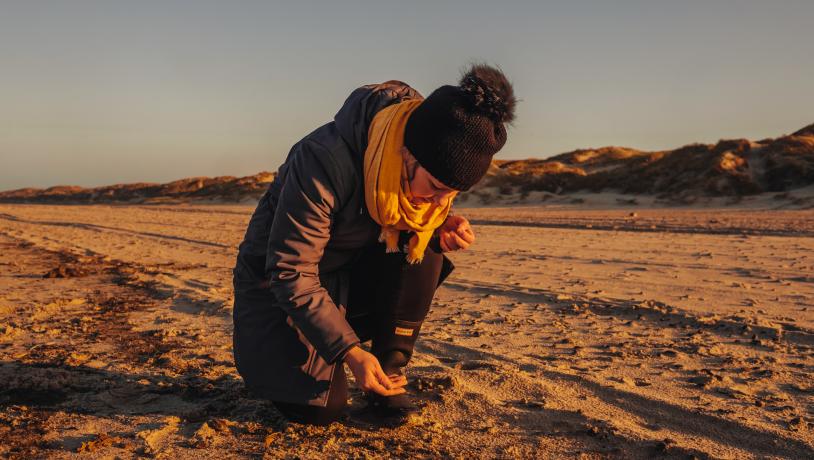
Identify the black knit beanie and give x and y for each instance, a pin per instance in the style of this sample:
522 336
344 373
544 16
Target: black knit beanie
457 129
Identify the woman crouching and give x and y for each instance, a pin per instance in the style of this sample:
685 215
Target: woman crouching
347 244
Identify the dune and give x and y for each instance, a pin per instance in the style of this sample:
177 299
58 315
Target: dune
734 167
731 169
196 189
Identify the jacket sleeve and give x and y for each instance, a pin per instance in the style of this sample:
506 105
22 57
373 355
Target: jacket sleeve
297 239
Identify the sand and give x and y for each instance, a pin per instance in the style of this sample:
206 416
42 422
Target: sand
563 333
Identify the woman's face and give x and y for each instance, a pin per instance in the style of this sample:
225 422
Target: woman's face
423 187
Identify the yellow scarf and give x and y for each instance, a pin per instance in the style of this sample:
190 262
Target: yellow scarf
387 201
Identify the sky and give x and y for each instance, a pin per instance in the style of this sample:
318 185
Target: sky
103 92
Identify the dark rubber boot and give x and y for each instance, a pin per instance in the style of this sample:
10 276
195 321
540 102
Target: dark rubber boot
393 347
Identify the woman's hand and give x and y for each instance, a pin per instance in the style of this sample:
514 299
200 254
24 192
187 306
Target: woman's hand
370 376
455 233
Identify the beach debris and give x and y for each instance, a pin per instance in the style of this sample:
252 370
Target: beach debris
625 380
204 435
154 439
98 442
736 391
65 271
430 384
797 424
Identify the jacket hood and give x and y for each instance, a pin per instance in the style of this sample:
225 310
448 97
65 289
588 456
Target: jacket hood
353 119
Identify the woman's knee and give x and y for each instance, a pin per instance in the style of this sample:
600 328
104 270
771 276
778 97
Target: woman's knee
319 415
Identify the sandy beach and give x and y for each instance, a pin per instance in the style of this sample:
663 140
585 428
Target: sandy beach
563 333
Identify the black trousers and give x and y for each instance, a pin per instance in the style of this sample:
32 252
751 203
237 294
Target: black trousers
382 287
